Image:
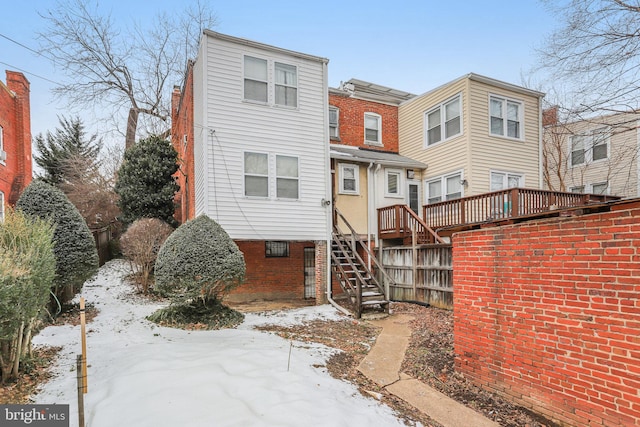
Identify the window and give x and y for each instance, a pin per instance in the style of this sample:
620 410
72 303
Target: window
372 129
334 115
600 188
578 189
505 117
286 85
256 174
276 249
444 121
3 154
589 147
349 179
286 177
392 178
255 79
446 187
1 205
504 180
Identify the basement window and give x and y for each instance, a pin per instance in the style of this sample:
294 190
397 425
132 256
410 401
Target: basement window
276 249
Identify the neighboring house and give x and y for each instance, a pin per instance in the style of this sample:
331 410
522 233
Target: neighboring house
15 138
260 131
476 134
596 156
368 172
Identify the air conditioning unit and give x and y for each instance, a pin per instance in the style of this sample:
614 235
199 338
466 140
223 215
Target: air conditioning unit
3 155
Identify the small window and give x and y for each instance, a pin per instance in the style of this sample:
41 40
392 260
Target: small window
1 139
334 129
589 147
1 205
286 177
444 121
434 191
286 85
393 182
600 188
372 129
256 174
578 189
505 117
447 187
577 150
349 179
600 138
505 180
255 79
276 249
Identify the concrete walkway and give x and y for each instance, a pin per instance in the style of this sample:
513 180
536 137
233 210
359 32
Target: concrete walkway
382 365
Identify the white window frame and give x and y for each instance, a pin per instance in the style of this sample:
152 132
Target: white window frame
3 154
356 174
285 85
337 123
295 178
399 183
505 101
1 206
245 78
506 174
442 108
442 179
580 189
606 190
589 139
378 118
245 174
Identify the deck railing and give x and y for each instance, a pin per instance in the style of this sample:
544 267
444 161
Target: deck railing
399 222
504 204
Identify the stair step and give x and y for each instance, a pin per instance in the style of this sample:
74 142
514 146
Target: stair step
375 302
371 294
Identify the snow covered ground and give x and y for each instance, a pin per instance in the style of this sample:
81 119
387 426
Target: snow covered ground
140 374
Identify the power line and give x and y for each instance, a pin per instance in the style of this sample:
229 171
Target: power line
30 73
22 45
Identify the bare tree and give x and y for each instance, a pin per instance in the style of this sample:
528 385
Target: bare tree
596 53
131 68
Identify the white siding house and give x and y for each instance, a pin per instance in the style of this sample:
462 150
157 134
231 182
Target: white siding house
261 157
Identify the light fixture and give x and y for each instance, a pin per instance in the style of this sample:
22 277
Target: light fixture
411 174
464 182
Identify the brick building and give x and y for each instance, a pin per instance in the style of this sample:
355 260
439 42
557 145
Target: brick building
15 138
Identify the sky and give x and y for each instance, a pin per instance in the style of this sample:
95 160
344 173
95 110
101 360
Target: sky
410 45
139 374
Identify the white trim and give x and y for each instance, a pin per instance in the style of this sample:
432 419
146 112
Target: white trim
1 206
588 138
399 184
506 174
356 172
244 77
443 185
296 178
244 175
606 191
409 183
378 117
505 125
3 153
276 84
441 106
337 110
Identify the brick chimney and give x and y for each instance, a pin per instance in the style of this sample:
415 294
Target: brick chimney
19 84
550 116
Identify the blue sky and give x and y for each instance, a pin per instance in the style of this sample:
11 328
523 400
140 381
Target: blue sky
408 45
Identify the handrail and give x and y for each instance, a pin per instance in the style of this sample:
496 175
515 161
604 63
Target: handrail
404 222
372 257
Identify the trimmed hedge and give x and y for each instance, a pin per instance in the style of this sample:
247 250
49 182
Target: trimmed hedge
198 261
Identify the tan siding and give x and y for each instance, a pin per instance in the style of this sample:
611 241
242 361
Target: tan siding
354 207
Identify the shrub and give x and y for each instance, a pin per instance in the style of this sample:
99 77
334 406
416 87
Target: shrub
27 270
145 181
140 245
74 246
199 261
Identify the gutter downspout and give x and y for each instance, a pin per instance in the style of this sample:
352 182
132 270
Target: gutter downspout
370 209
540 145
375 197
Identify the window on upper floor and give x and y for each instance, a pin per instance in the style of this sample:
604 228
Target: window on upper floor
287 184
393 182
349 178
256 174
286 85
444 187
578 189
3 154
589 147
372 129
1 205
444 121
334 125
506 117
505 180
256 81
600 188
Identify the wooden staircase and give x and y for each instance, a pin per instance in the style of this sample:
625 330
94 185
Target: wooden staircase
364 286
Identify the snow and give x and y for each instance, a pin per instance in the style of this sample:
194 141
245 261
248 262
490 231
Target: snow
140 374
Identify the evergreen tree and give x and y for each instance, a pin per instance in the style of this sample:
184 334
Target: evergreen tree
74 246
68 142
145 181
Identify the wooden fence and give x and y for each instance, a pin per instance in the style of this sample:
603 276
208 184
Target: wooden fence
422 273
103 237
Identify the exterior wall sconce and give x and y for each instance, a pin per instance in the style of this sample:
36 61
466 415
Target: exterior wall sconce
411 174
464 182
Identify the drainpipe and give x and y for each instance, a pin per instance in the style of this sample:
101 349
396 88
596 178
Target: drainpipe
370 209
375 197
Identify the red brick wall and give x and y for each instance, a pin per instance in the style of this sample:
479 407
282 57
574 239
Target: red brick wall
351 122
181 125
16 171
272 278
548 313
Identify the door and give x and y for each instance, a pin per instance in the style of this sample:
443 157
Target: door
309 272
413 198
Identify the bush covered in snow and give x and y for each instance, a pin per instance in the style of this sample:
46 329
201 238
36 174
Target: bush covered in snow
74 246
27 270
199 261
140 245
